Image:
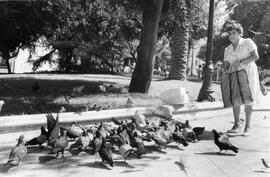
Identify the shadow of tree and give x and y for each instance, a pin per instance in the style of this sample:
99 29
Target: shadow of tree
36 149
130 171
123 164
21 99
215 154
149 149
45 159
172 146
98 165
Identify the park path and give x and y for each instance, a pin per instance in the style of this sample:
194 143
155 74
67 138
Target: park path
201 159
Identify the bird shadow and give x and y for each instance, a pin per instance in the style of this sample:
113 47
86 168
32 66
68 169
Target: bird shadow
95 164
150 149
262 171
123 164
181 166
45 159
4 169
150 157
215 154
130 171
174 147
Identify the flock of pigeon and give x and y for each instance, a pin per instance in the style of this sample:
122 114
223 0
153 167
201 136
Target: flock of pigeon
128 137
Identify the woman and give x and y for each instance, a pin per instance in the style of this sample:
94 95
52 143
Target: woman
242 54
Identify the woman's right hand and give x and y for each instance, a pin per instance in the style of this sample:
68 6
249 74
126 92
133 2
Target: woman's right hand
225 66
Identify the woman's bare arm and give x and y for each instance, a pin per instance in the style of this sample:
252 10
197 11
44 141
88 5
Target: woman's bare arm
251 58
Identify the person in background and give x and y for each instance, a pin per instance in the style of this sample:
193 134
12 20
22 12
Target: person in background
200 72
242 54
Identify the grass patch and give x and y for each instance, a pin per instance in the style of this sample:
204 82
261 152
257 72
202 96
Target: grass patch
20 97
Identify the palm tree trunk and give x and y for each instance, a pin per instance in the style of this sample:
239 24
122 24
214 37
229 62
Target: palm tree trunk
179 49
142 74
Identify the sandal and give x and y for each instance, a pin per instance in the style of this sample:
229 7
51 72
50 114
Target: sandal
246 132
235 129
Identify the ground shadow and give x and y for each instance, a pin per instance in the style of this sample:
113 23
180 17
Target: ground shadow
4 169
77 151
21 97
215 154
194 79
181 166
262 171
171 146
130 171
123 164
98 165
150 149
46 158
150 157
37 149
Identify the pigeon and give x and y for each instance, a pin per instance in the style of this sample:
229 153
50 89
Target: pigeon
97 142
265 164
130 102
53 129
17 153
139 120
138 143
189 134
116 122
77 90
84 140
36 88
125 150
74 131
60 144
105 153
99 108
102 130
198 130
223 143
102 88
179 138
157 139
40 139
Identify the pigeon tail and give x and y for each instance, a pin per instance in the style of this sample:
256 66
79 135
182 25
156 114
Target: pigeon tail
234 149
33 141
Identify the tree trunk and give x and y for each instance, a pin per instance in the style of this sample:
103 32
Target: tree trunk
179 48
142 74
6 58
8 65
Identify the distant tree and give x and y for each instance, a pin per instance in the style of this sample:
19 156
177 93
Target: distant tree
22 24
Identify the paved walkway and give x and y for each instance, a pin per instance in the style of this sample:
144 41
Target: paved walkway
200 159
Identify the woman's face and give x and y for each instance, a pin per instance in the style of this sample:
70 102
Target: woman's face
234 36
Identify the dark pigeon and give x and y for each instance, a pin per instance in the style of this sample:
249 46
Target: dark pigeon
54 132
42 138
60 144
223 143
105 153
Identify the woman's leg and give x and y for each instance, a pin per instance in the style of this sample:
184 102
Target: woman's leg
236 114
248 112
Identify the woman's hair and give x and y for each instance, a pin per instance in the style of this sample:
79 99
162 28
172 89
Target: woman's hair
233 25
